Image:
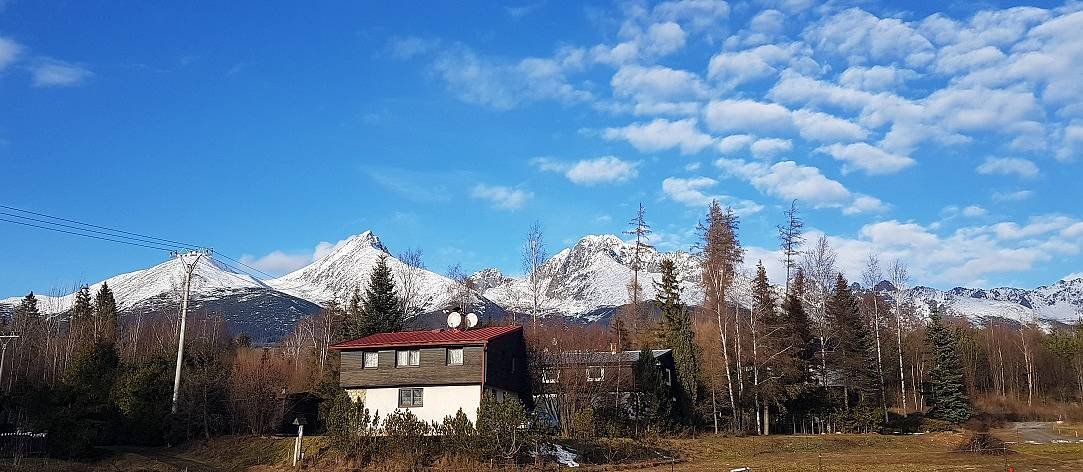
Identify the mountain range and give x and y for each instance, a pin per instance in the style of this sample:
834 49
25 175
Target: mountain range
587 281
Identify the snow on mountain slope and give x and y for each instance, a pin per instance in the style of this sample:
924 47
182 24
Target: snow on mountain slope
210 279
349 265
1062 301
594 273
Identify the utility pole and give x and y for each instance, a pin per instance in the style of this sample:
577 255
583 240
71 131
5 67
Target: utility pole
4 340
188 270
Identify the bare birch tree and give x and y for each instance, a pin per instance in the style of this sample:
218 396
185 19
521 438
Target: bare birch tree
900 276
871 276
534 256
410 275
818 264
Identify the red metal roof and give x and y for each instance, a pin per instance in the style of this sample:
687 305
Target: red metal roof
435 337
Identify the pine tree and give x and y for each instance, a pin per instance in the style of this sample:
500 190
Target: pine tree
946 391
770 349
677 335
105 314
381 311
854 356
798 327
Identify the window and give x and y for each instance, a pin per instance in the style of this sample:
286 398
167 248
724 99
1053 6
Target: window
669 377
595 373
372 359
454 356
411 358
410 397
550 376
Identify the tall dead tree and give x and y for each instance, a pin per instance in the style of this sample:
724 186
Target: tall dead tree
791 239
641 231
410 277
721 254
534 256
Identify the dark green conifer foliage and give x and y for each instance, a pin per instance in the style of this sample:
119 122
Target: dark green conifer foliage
381 311
653 408
105 312
82 317
946 391
351 325
855 359
28 308
677 335
773 353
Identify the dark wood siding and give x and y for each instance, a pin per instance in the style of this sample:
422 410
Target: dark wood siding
433 369
507 366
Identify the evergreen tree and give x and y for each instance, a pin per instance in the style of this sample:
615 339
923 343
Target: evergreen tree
677 335
350 327
855 359
381 311
28 308
946 393
798 327
771 343
82 317
106 316
653 408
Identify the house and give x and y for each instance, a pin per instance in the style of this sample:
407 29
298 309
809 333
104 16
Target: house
434 373
570 380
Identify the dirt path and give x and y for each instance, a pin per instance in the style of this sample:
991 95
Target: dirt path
1039 432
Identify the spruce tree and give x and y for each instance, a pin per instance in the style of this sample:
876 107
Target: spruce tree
652 398
798 327
106 316
82 316
677 335
26 314
351 325
946 391
854 355
771 340
381 311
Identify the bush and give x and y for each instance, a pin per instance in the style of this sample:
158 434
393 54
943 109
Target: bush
983 443
351 428
583 424
501 426
407 437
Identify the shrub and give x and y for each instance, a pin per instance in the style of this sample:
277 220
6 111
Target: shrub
407 438
501 426
983 443
583 424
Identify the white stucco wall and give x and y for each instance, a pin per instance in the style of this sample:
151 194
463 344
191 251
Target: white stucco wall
438 402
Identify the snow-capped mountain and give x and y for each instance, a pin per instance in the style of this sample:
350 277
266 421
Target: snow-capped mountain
592 275
247 304
1061 301
348 266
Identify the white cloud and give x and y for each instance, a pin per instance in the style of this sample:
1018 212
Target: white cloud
818 126
1016 196
789 181
733 68
502 197
602 169
865 204
1072 276
502 86
665 38
747 115
54 73
1073 231
770 147
658 89
973 211
876 78
870 159
698 15
733 143
9 51
691 192
1008 166
662 134
279 262
1037 225
411 46
863 38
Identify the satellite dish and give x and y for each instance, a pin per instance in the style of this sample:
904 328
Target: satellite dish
471 320
454 319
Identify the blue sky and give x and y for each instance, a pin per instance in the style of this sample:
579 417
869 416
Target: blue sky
948 136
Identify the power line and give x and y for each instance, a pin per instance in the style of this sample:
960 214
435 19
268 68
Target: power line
166 249
143 240
246 265
178 243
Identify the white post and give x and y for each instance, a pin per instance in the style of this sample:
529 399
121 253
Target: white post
188 269
4 352
297 444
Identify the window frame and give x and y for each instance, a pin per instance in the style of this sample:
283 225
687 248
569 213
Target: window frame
417 397
669 377
462 356
601 373
399 352
365 359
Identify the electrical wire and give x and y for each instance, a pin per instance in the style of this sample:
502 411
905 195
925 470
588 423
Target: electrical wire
172 242
141 240
167 249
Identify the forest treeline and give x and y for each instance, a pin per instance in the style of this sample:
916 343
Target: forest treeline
812 353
